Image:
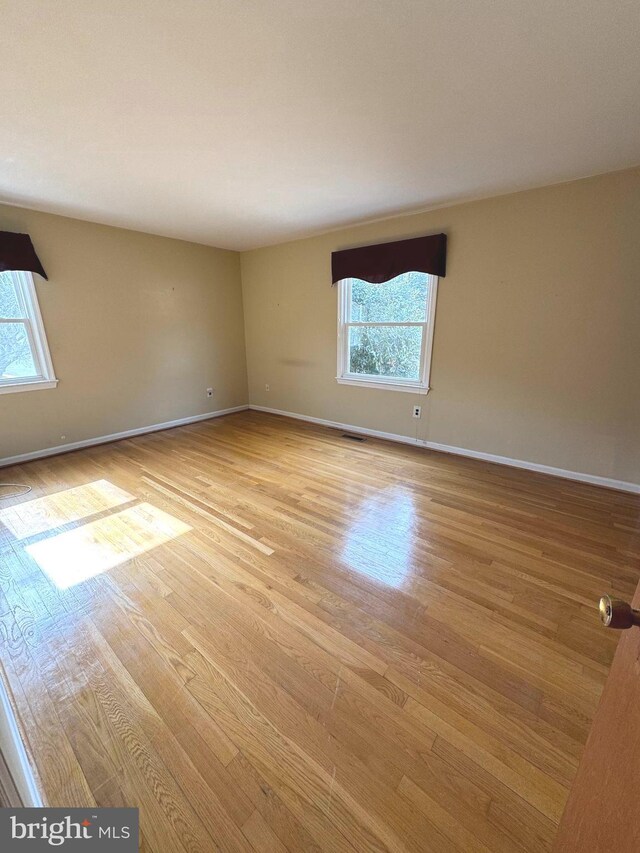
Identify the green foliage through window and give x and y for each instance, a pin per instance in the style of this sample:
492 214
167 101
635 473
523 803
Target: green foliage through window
383 349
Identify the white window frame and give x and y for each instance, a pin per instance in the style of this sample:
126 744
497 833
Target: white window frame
387 383
32 320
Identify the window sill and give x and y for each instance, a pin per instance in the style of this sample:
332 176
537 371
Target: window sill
28 385
383 386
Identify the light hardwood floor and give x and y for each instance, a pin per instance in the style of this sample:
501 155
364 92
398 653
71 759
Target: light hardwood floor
270 637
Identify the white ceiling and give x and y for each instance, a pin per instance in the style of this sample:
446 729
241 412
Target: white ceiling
240 123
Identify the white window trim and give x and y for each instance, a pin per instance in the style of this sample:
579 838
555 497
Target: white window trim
32 319
422 386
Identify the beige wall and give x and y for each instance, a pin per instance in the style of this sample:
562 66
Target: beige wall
537 341
138 326
537 344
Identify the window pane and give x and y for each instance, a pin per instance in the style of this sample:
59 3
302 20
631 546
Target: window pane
401 300
9 305
16 360
385 351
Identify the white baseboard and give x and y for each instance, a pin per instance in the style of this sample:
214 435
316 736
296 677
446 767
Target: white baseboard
374 433
116 436
607 482
594 479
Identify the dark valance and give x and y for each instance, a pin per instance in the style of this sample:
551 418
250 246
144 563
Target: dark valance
17 253
384 261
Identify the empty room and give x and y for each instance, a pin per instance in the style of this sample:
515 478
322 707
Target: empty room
320 426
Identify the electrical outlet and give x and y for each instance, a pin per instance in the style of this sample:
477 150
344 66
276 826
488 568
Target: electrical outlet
417 411
209 392
266 387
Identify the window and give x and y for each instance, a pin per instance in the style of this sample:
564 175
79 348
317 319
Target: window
385 332
25 363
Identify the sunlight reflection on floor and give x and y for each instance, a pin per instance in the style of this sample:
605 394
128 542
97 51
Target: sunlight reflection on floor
379 542
76 555
37 516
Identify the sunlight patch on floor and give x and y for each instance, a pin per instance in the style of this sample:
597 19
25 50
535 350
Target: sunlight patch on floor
76 555
42 514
